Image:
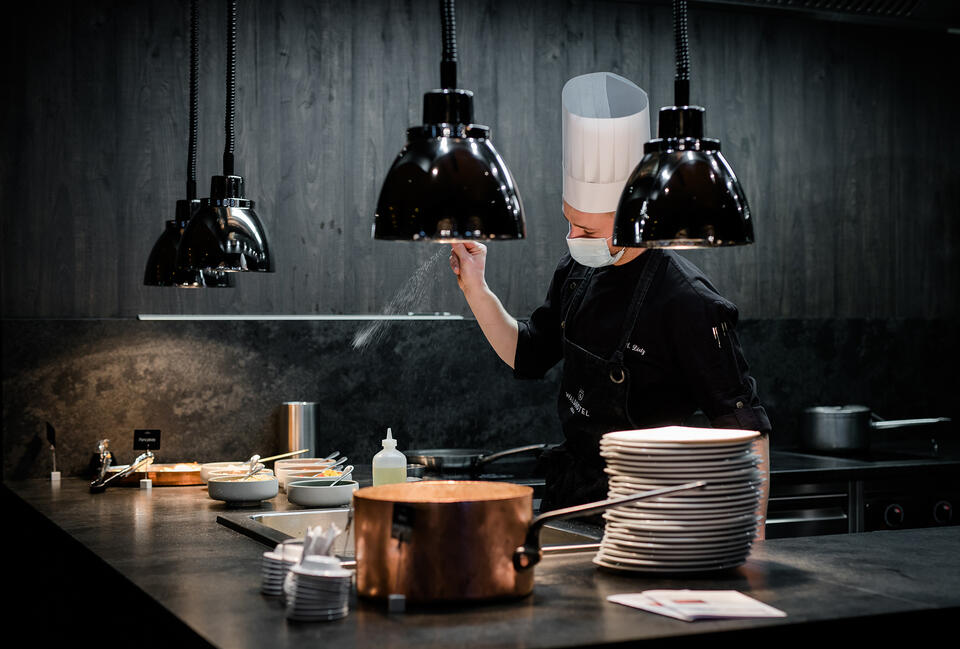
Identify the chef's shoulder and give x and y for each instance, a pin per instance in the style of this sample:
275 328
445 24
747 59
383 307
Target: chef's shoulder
689 297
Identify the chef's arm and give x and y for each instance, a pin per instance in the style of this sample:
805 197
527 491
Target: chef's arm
468 262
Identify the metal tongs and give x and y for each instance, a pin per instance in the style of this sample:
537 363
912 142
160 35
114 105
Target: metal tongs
101 483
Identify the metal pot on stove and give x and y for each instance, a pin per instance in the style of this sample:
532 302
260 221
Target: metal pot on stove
849 429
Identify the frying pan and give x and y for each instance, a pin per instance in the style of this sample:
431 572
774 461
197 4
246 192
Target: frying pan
462 460
848 429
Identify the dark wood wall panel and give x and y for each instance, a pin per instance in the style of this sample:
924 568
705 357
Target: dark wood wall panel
840 134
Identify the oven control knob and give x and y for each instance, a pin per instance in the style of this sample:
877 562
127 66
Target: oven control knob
893 515
943 512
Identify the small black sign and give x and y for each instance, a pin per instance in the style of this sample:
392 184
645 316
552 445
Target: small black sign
402 523
146 439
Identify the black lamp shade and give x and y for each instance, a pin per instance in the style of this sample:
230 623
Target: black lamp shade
683 193
449 183
162 267
225 235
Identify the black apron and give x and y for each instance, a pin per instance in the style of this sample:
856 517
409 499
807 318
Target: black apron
593 400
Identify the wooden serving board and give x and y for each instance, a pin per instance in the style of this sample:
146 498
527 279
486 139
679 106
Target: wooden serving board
181 474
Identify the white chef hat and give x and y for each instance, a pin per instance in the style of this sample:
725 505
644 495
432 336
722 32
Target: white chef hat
606 120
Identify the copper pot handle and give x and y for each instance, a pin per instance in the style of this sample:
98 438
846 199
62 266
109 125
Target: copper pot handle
529 554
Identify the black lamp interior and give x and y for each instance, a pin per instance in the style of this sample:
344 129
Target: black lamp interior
449 183
225 235
162 269
683 193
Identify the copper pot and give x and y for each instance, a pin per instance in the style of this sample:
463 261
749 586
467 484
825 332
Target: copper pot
455 540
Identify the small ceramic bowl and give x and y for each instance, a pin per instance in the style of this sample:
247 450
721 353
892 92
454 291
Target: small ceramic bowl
319 493
309 474
235 491
210 467
299 466
243 470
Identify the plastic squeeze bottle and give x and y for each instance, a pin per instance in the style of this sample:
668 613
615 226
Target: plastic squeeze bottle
389 465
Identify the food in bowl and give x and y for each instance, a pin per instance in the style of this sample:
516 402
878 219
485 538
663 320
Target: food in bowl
239 489
290 476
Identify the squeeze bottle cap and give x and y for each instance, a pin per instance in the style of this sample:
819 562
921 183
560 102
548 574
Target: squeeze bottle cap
389 442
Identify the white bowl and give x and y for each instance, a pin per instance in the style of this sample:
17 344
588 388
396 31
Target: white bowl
283 470
210 467
319 493
244 470
296 461
309 474
230 489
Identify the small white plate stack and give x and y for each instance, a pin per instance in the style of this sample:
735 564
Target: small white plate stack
318 590
276 564
711 528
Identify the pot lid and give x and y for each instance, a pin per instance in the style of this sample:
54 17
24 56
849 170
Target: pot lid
837 410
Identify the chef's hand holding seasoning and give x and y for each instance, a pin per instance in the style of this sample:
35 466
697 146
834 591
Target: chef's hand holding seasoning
645 338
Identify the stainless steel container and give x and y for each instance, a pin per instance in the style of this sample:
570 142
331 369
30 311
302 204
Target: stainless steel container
299 426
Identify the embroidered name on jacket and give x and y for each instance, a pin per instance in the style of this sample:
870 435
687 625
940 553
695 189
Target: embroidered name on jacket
575 405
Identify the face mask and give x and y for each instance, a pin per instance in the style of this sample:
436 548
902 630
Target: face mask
592 252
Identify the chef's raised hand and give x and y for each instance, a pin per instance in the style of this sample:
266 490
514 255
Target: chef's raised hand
468 261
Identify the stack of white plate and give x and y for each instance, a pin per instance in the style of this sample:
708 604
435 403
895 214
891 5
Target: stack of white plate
318 590
276 564
711 528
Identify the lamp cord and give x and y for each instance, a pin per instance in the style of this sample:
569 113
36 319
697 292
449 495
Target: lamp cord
681 82
194 98
231 86
448 63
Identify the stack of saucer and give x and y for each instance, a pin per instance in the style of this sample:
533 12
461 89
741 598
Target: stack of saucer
276 564
318 589
711 528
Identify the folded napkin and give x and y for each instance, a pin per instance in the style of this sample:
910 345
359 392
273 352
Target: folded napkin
690 605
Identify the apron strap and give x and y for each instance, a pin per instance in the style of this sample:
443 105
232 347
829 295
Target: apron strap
578 296
639 295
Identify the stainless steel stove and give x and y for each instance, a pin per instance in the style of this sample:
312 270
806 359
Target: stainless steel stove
815 494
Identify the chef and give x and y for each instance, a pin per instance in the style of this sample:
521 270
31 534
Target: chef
645 338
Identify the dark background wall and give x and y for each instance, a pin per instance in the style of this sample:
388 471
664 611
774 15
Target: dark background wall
839 132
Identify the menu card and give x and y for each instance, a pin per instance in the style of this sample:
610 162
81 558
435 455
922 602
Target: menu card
690 605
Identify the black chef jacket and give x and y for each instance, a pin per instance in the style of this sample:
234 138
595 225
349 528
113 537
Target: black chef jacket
682 355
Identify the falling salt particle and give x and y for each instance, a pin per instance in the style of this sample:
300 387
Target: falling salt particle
409 294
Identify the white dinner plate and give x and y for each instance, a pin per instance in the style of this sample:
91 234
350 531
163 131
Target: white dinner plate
685 435
614 551
678 525
703 564
619 567
710 464
675 450
676 542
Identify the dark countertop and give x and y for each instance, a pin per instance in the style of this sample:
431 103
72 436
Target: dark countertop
165 546
798 465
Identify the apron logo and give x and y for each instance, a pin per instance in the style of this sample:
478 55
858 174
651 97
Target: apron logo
636 348
580 395
575 406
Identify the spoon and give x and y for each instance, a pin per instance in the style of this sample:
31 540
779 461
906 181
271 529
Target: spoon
343 475
254 470
332 455
277 457
338 463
